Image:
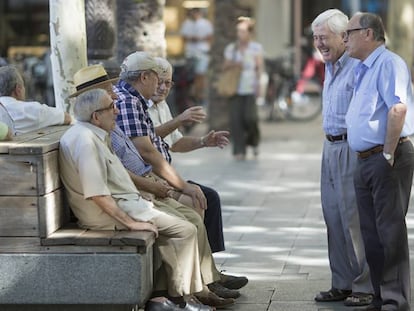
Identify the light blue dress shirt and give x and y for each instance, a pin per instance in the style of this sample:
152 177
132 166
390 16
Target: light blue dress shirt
337 94
382 80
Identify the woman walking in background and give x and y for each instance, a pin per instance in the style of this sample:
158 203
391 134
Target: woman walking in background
243 110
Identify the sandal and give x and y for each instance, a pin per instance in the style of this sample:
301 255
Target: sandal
333 294
358 299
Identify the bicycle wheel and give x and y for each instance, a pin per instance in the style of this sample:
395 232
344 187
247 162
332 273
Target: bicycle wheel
305 108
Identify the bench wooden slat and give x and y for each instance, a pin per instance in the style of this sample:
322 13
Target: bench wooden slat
18 245
26 175
66 236
19 216
36 142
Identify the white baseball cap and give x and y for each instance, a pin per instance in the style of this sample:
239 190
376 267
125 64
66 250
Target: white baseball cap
138 61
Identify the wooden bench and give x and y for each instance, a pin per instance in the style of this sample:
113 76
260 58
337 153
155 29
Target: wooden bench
45 260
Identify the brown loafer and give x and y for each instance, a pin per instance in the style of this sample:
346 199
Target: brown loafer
211 299
232 282
222 291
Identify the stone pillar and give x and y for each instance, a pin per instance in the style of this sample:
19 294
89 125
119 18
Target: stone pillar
68 45
140 27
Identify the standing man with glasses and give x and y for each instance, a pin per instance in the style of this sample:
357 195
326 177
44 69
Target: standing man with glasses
350 274
379 120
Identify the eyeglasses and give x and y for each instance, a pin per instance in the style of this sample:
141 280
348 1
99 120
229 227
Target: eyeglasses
349 31
167 83
110 107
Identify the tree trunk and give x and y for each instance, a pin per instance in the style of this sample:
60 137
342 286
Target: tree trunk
68 45
401 28
101 30
140 27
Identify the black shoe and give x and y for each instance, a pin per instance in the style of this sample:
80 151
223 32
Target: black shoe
333 294
192 306
166 305
232 282
222 291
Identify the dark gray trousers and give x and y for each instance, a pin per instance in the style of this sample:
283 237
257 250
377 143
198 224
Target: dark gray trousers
383 194
244 123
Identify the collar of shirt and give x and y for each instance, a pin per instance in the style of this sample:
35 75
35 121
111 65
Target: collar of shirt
340 63
150 103
128 87
100 133
370 60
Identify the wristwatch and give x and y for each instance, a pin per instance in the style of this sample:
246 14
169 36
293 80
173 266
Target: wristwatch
387 156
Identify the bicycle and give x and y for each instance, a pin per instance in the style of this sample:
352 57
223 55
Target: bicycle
281 98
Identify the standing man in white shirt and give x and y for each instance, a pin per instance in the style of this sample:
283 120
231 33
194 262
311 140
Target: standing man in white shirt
20 115
197 32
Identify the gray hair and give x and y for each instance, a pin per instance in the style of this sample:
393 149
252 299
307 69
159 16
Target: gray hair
9 79
373 21
131 76
335 20
164 65
87 103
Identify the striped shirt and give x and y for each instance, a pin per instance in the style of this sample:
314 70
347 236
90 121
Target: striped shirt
128 154
337 93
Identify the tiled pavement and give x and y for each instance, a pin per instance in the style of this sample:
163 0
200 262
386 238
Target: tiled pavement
274 229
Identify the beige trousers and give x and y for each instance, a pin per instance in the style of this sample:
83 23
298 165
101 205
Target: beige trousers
208 268
178 248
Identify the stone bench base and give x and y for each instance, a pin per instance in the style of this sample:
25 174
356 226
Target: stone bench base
83 278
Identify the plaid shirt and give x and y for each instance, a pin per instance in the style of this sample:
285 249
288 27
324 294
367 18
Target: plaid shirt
134 119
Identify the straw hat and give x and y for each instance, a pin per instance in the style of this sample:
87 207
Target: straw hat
90 77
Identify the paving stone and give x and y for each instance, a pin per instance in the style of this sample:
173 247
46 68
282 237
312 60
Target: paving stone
273 222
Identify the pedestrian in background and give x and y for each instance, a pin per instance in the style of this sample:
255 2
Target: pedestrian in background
244 121
380 118
197 32
350 273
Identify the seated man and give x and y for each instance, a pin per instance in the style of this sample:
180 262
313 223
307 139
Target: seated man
95 76
136 123
134 90
20 115
103 197
167 128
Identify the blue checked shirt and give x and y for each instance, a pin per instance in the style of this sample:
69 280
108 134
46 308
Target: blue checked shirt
337 93
128 154
382 80
134 119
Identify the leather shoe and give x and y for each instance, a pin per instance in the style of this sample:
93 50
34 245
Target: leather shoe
222 291
166 305
333 294
232 282
211 299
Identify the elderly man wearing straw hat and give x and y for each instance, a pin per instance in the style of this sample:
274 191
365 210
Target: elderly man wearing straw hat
95 77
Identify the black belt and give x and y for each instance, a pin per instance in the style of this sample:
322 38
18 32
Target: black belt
336 138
